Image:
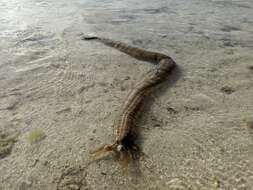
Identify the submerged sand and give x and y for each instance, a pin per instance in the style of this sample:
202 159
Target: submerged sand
196 130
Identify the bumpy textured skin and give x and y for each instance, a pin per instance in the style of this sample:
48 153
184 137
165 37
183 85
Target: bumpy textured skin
132 104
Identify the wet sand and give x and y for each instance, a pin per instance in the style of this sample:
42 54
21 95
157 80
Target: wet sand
196 128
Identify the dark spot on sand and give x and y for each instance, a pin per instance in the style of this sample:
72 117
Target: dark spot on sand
191 108
141 43
122 88
171 110
227 90
127 78
157 125
249 123
156 122
103 173
87 101
68 109
105 90
7 141
227 42
85 88
156 10
250 67
228 28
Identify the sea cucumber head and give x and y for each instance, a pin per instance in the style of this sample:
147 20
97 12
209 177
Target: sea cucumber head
120 148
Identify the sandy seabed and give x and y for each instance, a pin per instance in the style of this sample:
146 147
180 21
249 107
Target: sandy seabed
196 129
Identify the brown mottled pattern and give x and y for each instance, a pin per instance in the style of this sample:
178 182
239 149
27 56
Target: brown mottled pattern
132 104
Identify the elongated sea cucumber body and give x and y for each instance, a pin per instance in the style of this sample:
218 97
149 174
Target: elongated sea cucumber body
123 145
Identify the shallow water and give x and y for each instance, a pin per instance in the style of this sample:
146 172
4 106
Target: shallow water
193 131
41 23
